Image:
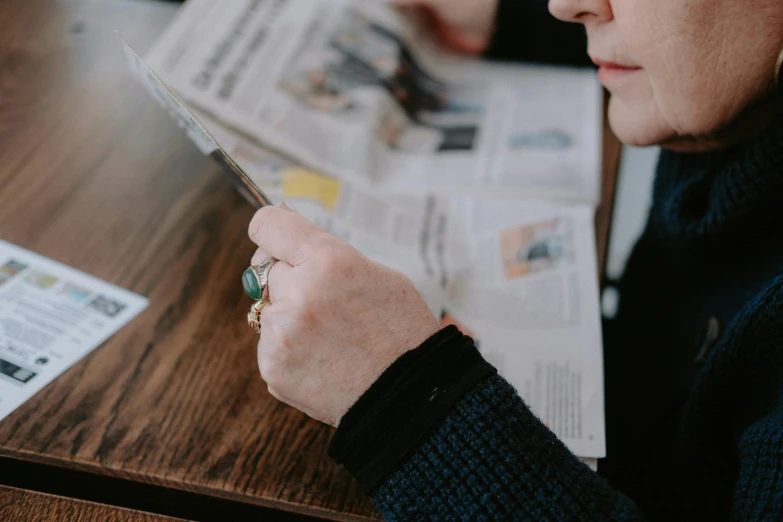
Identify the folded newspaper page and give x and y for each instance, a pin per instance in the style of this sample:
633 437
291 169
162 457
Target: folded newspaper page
193 127
478 181
356 91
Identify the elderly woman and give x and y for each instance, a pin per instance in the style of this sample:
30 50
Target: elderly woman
694 361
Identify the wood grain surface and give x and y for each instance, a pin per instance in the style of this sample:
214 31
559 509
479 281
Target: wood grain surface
609 172
94 175
19 505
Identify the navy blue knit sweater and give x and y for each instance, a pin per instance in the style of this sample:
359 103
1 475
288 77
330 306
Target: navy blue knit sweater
694 379
694 370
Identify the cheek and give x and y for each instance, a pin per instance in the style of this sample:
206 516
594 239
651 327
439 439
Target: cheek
706 94
677 94
691 93
635 115
704 61
663 100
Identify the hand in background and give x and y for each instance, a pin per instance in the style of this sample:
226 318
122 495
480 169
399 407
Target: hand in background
336 320
464 25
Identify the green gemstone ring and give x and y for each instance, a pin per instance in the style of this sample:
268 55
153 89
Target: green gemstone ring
255 278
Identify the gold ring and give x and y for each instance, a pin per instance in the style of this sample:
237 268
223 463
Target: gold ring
254 315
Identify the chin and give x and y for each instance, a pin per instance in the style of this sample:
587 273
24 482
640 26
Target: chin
637 124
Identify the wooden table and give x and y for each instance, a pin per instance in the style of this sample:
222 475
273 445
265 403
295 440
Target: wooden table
94 175
609 170
29 506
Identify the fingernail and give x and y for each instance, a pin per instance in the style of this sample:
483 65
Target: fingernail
285 206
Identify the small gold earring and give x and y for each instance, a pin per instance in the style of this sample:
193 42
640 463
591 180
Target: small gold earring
779 71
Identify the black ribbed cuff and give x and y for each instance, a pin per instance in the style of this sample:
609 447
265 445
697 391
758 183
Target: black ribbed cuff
405 404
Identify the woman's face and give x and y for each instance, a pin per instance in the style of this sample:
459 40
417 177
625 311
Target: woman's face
679 68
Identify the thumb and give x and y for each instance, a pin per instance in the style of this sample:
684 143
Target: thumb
436 18
462 41
410 3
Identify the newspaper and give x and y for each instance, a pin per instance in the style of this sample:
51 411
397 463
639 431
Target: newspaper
50 317
476 180
530 301
193 127
519 278
354 90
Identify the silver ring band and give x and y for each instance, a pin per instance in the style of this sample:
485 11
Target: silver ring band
262 274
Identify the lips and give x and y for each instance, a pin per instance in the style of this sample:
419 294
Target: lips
604 64
611 71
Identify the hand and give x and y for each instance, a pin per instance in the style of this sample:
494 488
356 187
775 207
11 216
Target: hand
336 320
464 25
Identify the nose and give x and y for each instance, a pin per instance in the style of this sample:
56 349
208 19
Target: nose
581 11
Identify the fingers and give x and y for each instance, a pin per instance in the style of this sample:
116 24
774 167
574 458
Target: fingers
279 275
452 24
462 41
259 255
284 234
413 3
280 282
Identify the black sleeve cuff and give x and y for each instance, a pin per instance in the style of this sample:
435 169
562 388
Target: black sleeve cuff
405 404
526 31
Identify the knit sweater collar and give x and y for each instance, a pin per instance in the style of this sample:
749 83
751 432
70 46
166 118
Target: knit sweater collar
700 198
